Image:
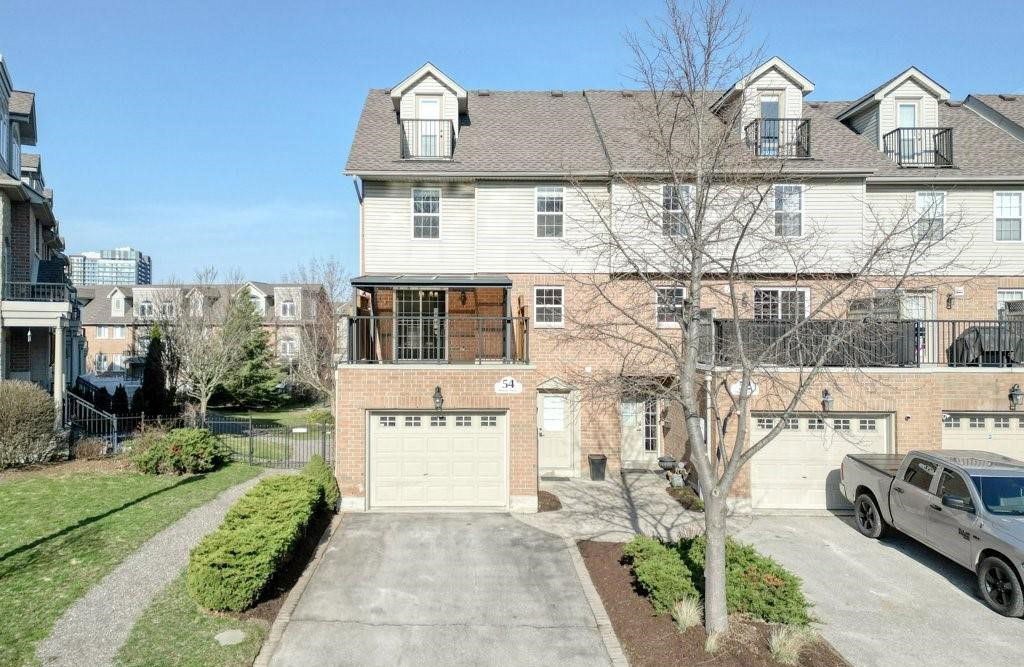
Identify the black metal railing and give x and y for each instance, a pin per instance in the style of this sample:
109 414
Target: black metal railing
780 137
920 146
855 343
428 139
457 339
44 292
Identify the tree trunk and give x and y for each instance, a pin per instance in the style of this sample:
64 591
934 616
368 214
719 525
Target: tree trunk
202 409
716 612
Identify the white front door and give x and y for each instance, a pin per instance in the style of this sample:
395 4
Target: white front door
919 306
554 432
640 433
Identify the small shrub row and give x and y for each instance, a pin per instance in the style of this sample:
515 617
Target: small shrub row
318 470
27 424
756 585
232 566
180 451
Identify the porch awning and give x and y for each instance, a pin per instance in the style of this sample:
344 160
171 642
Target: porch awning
433 279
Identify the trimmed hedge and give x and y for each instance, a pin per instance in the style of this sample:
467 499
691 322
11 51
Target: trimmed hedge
183 450
232 566
318 470
660 573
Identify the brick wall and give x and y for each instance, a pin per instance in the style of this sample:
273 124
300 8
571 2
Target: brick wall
21 239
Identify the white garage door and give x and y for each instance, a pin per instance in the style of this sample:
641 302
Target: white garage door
992 432
432 460
799 469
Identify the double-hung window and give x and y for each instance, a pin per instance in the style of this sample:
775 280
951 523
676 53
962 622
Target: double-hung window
287 309
675 209
548 306
780 303
670 305
118 333
146 309
1008 216
1003 296
931 213
426 213
550 211
789 210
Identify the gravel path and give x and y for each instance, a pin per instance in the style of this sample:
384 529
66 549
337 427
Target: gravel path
93 629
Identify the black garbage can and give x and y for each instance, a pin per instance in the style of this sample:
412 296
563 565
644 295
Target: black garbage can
598 462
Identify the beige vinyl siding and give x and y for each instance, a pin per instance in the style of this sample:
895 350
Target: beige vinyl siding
507 228
928 106
388 242
866 123
969 226
428 85
772 81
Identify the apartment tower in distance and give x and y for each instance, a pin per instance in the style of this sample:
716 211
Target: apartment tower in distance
118 266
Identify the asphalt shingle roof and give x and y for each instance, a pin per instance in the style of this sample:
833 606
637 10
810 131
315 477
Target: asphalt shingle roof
30 161
21 102
1011 106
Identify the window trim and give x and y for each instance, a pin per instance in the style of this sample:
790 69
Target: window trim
687 211
412 212
657 305
537 213
537 324
805 290
775 211
294 309
1020 218
917 212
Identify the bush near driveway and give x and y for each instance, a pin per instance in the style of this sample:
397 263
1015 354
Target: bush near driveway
27 424
232 566
318 470
755 584
183 450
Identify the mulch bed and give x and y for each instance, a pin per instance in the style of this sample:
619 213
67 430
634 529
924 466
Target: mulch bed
548 502
273 598
654 641
686 497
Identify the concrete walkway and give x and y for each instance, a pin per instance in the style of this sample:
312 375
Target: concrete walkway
93 629
442 589
617 509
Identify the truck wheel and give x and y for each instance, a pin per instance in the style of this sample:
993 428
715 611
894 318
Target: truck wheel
1000 588
867 517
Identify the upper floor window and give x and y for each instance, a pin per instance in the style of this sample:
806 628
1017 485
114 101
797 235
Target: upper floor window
117 305
258 303
167 309
780 303
1005 295
548 306
426 213
288 308
118 333
101 362
789 210
670 305
675 205
102 332
195 308
1008 216
5 136
146 309
550 206
931 213
288 346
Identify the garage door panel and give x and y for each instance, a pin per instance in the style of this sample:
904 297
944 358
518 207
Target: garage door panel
999 433
425 462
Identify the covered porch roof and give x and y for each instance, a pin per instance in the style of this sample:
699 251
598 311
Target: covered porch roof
432 279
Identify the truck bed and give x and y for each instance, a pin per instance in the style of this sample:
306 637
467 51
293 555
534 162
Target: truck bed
887 464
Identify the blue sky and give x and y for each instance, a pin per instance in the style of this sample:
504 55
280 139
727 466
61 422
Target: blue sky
216 132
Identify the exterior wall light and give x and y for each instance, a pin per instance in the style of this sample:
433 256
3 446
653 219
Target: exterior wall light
826 401
438 398
1015 396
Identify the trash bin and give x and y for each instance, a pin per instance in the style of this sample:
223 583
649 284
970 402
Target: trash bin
598 462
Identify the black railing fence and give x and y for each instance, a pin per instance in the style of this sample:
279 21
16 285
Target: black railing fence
920 146
428 138
41 292
456 339
780 137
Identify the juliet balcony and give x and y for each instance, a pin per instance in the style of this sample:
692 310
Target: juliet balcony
427 139
779 137
919 146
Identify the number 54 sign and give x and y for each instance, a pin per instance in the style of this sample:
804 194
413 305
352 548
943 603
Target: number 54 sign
508 385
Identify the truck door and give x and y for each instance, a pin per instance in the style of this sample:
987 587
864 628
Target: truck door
950 528
911 497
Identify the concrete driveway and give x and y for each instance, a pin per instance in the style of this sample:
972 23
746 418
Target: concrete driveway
891 601
442 589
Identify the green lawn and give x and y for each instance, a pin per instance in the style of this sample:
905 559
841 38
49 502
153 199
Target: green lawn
285 417
61 533
174 630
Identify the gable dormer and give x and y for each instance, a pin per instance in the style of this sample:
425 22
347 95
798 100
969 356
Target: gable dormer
428 104
118 301
902 118
770 101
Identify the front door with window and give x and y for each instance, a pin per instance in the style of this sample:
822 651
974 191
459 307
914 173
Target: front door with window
420 325
554 432
429 114
770 114
906 119
640 433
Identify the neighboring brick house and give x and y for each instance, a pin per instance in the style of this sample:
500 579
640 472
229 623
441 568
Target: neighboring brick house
116 319
467 278
39 336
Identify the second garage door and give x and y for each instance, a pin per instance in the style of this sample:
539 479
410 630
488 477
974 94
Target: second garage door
799 469
992 432
437 460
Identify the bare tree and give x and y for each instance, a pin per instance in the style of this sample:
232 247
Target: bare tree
689 238
327 283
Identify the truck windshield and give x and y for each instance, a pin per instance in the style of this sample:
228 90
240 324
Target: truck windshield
1001 495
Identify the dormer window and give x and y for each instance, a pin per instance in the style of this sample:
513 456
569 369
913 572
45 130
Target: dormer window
146 309
429 104
258 303
288 308
117 306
